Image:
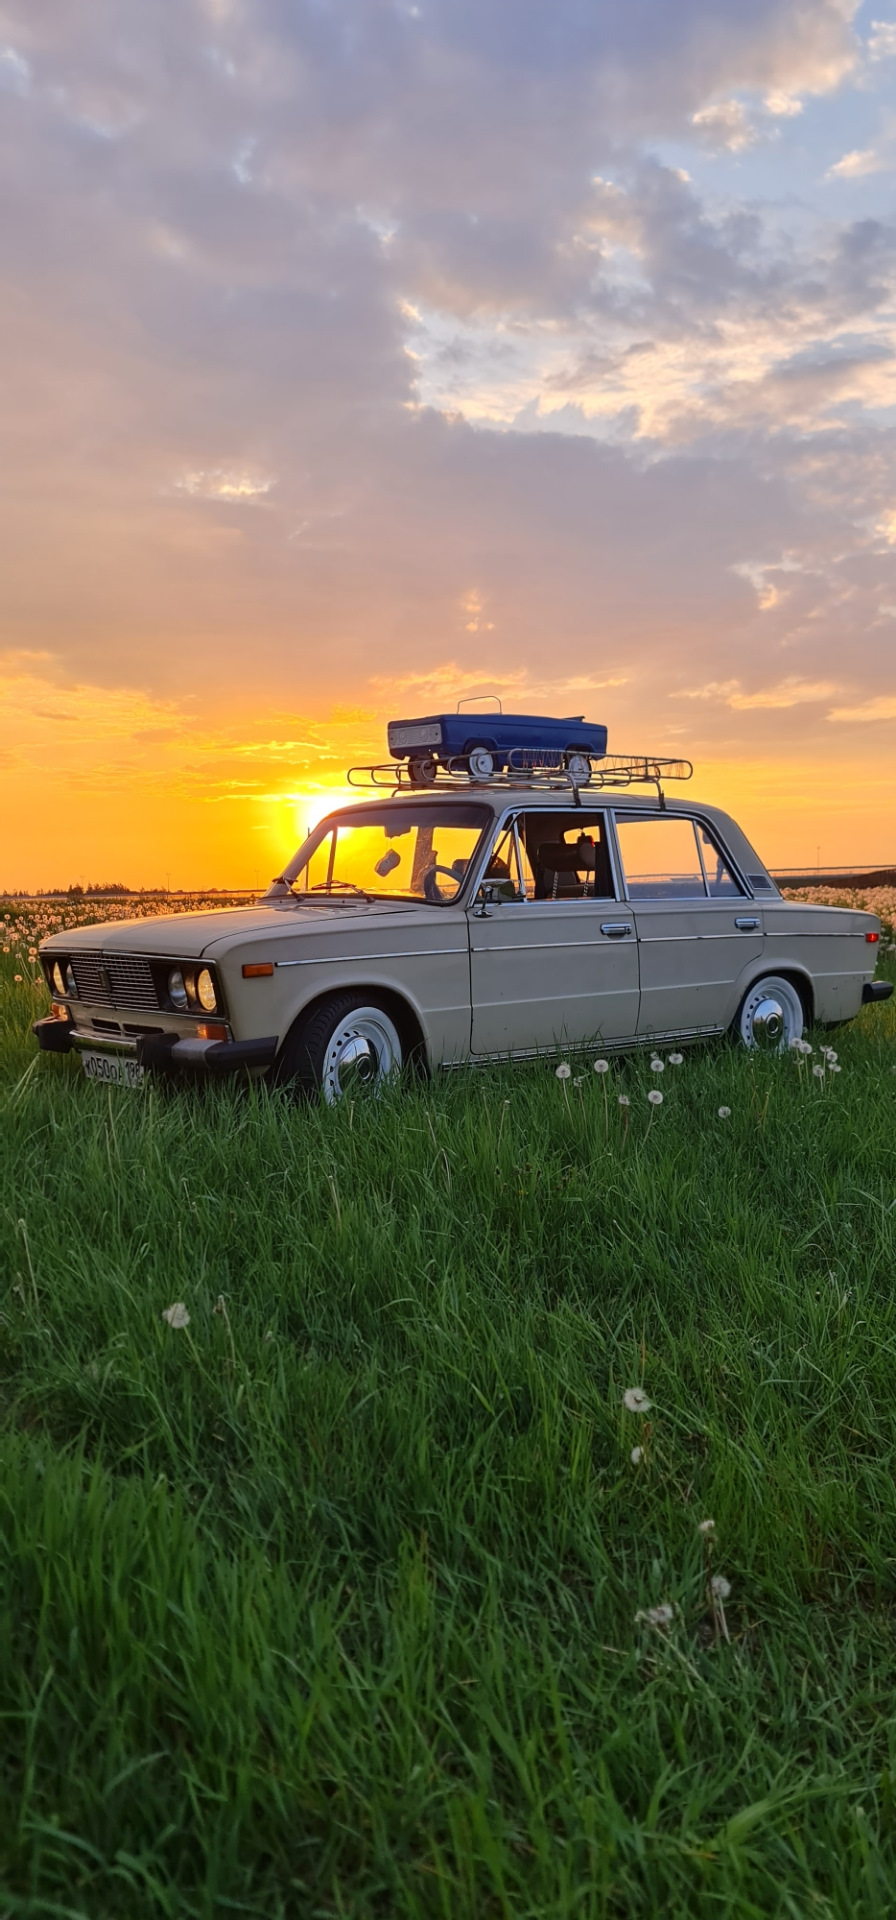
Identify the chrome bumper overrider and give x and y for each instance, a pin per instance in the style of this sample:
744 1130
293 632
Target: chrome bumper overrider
160 1052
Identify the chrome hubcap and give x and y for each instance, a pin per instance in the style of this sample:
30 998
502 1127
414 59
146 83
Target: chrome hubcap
362 1052
768 1024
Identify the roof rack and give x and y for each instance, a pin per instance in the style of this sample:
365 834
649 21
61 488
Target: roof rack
529 769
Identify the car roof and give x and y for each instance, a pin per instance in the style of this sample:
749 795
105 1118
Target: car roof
499 798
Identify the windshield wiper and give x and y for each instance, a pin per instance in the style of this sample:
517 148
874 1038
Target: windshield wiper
328 886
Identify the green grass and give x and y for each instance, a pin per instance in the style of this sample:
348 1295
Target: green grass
326 1604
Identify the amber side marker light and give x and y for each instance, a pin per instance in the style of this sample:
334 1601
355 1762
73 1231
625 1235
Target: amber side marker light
870 937
211 1030
258 970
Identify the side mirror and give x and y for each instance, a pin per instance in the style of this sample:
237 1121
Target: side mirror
485 899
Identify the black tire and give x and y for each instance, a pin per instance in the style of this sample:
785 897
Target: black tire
422 770
347 1043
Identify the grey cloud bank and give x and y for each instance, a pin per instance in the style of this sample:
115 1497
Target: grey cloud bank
319 318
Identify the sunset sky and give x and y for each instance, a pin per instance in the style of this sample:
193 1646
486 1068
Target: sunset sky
359 355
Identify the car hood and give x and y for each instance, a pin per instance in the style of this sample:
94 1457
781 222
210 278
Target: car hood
190 936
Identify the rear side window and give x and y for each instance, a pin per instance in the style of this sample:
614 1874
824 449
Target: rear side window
667 858
660 857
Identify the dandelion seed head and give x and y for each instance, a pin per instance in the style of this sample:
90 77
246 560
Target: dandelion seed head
637 1455
834 1067
720 1587
818 1071
635 1399
676 1059
624 1100
176 1315
657 1066
564 1070
724 1113
655 1097
706 1526
661 1616
601 1066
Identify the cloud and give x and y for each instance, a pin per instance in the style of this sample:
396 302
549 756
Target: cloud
726 124
881 707
790 692
855 165
233 487
881 42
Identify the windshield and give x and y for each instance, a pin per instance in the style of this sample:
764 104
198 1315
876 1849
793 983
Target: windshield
401 851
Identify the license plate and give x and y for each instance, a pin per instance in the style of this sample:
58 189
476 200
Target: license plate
113 1068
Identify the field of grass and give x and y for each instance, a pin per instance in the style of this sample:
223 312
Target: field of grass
363 1593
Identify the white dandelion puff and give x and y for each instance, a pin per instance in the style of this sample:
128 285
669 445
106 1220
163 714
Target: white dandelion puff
676 1059
661 1616
564 1070
624 1100
176 1315
637 1455
720 1587
818 1071
635 1399
834 1067
657 1066
601 1066
724 1113
706 1526
655 1097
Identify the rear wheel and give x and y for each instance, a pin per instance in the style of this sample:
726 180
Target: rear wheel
347 1045
770 1016
578 766
422 770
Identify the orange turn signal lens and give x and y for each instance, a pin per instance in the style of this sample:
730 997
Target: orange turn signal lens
259 970
870 937
211 1030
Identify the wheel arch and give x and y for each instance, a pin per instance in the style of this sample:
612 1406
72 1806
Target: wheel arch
406 1017
798 978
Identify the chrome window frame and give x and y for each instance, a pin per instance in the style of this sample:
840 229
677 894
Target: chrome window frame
511 818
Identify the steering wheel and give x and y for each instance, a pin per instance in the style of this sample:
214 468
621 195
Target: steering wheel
431 889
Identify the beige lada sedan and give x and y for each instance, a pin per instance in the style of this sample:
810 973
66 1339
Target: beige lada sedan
464 925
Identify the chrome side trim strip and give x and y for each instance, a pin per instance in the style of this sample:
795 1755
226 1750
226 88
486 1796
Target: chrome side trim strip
366 959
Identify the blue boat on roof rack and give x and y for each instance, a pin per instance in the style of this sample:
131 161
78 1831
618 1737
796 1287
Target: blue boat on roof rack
482 744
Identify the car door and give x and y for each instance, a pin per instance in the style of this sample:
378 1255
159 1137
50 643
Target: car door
698 931
553 955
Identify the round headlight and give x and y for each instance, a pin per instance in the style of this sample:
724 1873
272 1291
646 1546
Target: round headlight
177 992
205 991
71 984
58 981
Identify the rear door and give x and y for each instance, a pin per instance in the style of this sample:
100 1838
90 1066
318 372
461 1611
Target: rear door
553 955
698 931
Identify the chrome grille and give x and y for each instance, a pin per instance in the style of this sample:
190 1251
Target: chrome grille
115 980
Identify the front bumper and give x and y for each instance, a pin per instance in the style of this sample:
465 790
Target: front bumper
876 990
160 1052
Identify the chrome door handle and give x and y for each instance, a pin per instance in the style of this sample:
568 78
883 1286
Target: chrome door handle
614 929
747 923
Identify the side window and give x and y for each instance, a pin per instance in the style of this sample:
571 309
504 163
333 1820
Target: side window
566 856
660 857
720 881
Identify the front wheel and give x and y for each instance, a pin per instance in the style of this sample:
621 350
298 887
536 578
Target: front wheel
770 1016
347 1045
